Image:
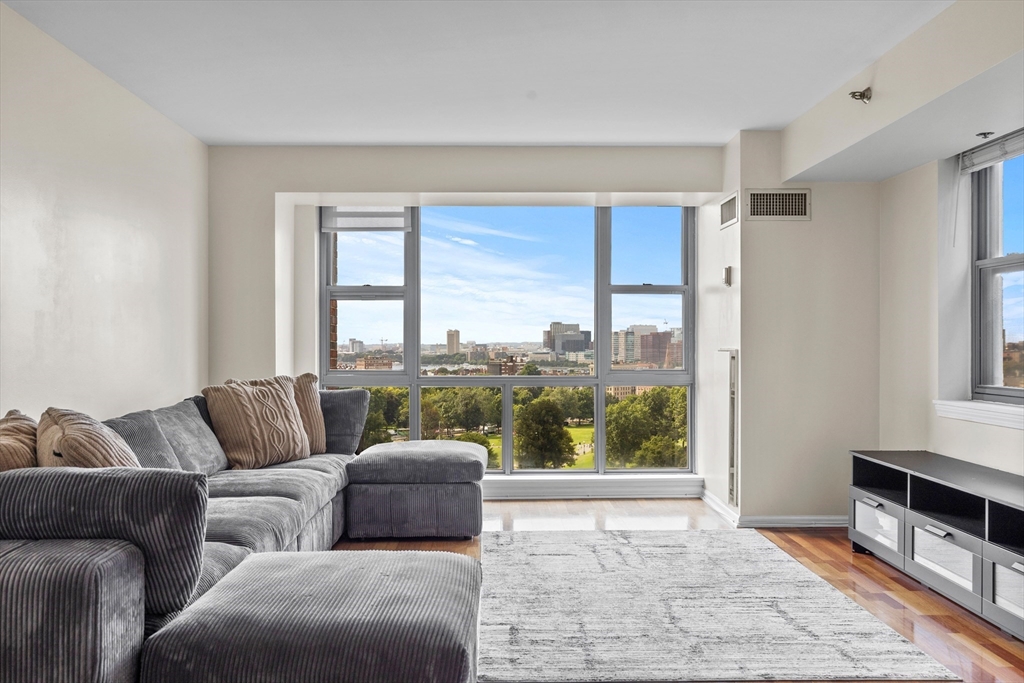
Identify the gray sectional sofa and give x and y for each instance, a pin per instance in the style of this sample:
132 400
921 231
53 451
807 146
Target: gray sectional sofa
180 570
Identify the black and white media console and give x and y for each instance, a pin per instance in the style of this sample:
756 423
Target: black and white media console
954 526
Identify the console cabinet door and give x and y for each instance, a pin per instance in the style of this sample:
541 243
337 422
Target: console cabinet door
877 524
947 559
1003 588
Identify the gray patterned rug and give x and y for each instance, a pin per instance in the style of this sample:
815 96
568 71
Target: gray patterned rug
674 606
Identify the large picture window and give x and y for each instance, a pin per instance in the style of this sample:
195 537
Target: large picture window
997 190
559 338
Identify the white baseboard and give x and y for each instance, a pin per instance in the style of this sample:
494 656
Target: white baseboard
716 504
537 486
764 521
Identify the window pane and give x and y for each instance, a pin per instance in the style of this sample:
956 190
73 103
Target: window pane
647 245
507 286
553 428
646 427
1012 241
1002 327
647 332
388 417
366 335
466 414
368 258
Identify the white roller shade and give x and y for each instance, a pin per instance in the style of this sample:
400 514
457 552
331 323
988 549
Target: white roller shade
992 152
362 218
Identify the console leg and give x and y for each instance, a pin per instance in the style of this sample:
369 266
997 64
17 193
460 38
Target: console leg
858 548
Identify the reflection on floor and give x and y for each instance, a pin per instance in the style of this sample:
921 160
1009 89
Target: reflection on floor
969 646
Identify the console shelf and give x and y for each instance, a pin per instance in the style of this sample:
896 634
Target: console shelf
955 526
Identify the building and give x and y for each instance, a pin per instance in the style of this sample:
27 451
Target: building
653 346
453 342
535 356
477 353
623 347
356 346
674 355
580 356
511 366
374 363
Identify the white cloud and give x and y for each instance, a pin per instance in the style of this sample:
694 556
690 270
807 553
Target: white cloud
453 225
463 240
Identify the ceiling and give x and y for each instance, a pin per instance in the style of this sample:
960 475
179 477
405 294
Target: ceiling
479 73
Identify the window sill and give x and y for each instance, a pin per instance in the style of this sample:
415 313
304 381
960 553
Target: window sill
540 485
983 412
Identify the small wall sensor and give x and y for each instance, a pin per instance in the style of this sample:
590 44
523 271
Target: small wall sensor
727 276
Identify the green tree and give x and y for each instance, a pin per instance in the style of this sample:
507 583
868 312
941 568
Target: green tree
430 419
540 439
524 395
493 457
627 425
375 431
567 399
529 369
660 451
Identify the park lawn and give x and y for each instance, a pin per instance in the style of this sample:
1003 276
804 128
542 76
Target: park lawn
581 434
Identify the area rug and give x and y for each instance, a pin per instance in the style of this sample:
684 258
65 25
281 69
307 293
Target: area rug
582 606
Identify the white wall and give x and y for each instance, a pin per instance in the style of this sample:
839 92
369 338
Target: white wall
253 299
909 327
965 40
717 327
809 346
103 238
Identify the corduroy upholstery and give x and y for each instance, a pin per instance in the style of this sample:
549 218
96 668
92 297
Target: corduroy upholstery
190 435
71 611
419 462
144 436
412 510
218 560
326 617
260 523
162 512
344 416
331 464
311 489
17 441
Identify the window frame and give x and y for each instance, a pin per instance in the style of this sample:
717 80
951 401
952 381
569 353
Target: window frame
983 192
602 378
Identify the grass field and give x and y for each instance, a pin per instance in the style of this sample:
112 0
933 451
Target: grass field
580 435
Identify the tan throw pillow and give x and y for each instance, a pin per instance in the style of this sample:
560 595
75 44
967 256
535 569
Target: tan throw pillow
76 440
17 441
257 425
307 399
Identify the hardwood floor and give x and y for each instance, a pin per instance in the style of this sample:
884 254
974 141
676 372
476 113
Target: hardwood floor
967 645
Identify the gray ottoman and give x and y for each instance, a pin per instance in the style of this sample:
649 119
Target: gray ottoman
416 488
366 615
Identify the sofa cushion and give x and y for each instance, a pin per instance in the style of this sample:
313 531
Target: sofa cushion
311 488
260 523
419 462
73 439
144 436
194 443
218 560
163 512
258 424
17 441
307 400
331 464
344 416
369 615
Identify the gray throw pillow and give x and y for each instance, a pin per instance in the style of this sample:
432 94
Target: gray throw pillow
344 416
144 436
194 443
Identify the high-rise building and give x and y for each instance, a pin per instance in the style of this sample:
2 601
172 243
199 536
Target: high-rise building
623 343
653 347
356 346
453 342
674 355
564 337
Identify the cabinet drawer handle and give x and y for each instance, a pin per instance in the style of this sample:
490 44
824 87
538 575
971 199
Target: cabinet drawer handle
936 531
872 503
1017 566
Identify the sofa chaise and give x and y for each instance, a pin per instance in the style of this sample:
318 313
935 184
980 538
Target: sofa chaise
187 570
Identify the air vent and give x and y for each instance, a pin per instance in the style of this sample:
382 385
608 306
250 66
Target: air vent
779 205
729 210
